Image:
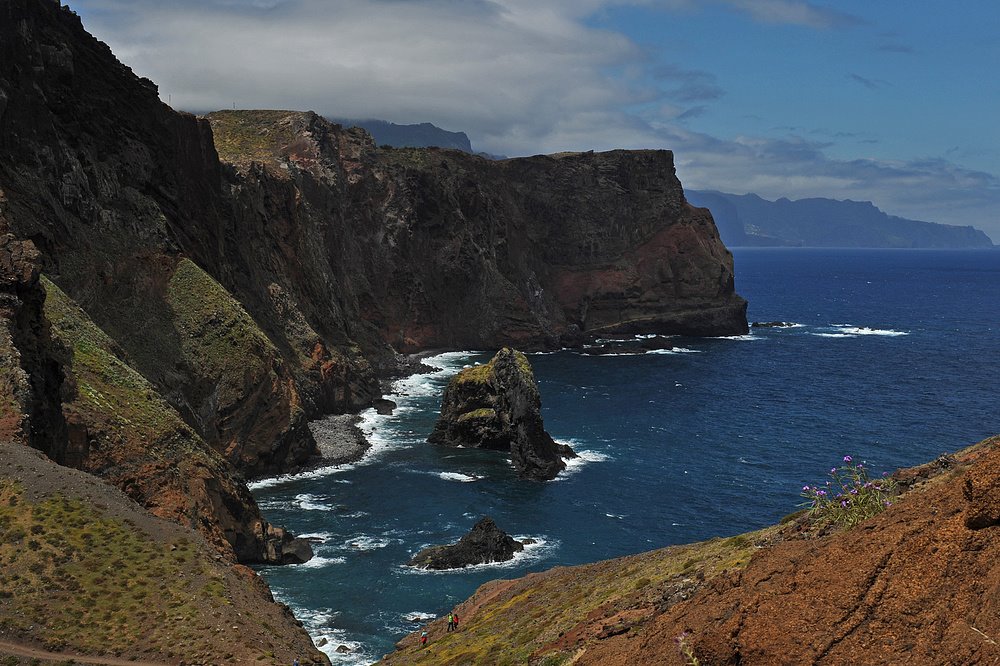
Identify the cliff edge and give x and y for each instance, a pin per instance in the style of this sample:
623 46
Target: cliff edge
439 249
253 293
917 583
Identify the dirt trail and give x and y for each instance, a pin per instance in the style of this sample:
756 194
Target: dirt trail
34 653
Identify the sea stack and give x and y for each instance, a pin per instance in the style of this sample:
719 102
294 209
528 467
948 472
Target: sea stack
497 406
483 544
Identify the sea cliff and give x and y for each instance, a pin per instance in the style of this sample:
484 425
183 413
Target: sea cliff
255 292
182 295
916 583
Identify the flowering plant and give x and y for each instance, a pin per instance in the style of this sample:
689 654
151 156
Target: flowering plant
686 650
850 496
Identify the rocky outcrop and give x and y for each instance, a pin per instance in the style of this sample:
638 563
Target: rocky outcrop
916 583
440 249
254 293
483 544
120 429
497 406
31 378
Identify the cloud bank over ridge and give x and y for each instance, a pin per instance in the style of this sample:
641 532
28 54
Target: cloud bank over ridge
521 77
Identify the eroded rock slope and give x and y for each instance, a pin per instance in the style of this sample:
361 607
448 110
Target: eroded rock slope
239 298
918 583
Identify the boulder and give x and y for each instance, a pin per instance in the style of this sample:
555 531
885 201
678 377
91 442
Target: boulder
497 406
296 551
384 407
484 543
280 547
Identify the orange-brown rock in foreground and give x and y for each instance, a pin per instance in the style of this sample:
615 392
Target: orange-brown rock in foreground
919 584
914 584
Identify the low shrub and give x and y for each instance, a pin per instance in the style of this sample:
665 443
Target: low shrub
850 496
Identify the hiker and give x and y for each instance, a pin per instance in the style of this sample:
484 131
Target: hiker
451 622
454 618
295 662
423 638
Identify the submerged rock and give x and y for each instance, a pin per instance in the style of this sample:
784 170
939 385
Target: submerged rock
281 547
772 324
384 407
497 406
484 543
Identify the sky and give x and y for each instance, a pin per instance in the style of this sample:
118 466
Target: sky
891 101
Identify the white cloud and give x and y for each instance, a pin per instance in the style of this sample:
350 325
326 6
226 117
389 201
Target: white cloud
519 76
795 12
502 70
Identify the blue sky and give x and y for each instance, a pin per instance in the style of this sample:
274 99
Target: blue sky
889 101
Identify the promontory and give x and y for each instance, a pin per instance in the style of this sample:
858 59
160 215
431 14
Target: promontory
182 295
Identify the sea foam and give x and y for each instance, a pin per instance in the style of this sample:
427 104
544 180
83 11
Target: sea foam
583 457
365 543
675 350
459 476
865 330
319 562
310 502
403 392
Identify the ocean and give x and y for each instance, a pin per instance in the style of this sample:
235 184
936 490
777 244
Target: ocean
891 358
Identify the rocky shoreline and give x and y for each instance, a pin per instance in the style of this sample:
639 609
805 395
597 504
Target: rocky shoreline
339 439
912 584
213 284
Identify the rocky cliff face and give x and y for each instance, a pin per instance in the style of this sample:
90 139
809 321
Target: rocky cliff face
32 382
126 201
231 301
434 248
161 376
496 406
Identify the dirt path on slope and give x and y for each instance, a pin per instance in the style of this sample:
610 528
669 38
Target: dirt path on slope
35 653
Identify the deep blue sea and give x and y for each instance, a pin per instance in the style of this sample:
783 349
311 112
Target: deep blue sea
892 359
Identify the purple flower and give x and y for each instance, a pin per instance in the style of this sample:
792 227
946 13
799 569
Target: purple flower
861 466
885 474
821 493
848 459
833 470
888 503
805 489
854 491
843 504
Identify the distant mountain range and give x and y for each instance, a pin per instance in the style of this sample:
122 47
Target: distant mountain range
749 220
421 135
